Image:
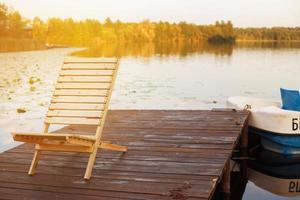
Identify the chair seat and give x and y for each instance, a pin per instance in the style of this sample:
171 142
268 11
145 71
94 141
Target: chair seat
55 138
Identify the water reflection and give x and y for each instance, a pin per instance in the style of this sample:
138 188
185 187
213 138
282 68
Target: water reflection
255 192
181 49
268 45
154 49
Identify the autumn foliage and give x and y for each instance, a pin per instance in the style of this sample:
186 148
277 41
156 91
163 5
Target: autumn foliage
92 32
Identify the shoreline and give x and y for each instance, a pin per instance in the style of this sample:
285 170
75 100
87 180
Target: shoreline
21 44
24 44
285 41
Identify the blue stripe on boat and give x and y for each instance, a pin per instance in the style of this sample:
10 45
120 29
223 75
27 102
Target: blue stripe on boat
278 148
282 139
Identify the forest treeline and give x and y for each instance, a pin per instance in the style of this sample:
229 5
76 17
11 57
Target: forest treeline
92 32
274 34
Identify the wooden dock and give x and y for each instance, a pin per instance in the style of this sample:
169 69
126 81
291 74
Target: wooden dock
172 155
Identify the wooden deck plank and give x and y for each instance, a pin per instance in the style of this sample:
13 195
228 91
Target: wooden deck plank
168 151
108 157
111 173
133 154
88 194
135 186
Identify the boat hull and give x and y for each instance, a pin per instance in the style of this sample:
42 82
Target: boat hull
279 143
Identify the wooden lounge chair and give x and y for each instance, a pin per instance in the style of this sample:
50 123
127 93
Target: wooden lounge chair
81 97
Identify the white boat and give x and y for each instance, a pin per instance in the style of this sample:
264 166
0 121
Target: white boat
268 115
269 120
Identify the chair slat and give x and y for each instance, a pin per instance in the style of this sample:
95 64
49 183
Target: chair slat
25 137
74 92
74 113
76 106
81 140
53 136
86 79
69 120
87 72
78 99
88 66
83 86
90 60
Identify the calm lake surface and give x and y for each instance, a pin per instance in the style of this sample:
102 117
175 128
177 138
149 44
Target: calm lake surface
152 76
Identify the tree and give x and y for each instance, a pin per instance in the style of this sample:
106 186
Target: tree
92 32
15 24
3 18
39 29
108 22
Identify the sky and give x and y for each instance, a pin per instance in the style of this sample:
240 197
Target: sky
243 13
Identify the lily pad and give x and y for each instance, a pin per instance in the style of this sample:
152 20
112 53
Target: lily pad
33 80
21 110
32 88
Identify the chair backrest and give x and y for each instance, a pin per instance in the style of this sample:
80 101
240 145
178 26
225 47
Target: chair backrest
83 91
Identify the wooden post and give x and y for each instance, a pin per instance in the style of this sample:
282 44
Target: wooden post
225 184
244 150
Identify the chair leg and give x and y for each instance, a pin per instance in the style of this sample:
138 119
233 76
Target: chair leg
90 165
34 162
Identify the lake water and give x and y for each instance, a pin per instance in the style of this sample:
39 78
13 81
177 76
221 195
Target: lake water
151 76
